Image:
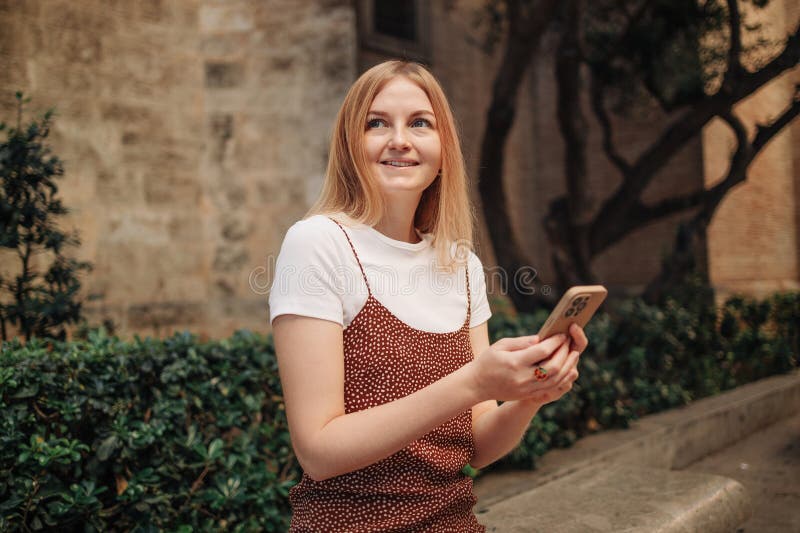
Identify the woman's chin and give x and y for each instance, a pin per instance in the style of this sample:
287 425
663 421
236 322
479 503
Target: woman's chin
400 192
406 183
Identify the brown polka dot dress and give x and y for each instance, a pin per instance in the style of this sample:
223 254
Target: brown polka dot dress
421 487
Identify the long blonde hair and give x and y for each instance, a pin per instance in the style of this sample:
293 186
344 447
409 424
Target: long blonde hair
444 210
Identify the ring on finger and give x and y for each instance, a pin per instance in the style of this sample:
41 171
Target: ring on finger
541 373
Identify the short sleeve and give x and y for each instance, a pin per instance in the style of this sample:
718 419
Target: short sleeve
305 282
477 288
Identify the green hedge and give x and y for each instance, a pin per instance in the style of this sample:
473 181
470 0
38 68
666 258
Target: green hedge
147 435
178 435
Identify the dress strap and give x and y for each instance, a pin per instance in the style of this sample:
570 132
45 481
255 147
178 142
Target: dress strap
355 254
469 298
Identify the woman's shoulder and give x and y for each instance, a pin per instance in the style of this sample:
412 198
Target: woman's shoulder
316 235
313 223
316 228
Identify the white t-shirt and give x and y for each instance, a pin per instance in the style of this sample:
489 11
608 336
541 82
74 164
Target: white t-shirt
317 275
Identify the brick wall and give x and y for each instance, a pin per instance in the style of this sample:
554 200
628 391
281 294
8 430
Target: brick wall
753 238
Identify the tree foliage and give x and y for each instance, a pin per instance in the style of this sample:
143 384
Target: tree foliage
148 435
35 302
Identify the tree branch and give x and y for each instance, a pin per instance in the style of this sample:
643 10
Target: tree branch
612 218
626 198
746 152
690 123
736 172
598 106
765 133
735 49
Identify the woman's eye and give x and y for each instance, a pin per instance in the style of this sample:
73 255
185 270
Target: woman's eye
376 123
421 122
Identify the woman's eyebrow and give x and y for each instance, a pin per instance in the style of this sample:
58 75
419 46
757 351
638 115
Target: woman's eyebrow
414 114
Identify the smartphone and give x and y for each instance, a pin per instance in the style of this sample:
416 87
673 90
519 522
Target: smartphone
577 306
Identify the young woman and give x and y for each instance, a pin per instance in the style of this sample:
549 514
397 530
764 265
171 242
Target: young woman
379 310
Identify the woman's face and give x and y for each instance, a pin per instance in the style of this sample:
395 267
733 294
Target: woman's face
401 140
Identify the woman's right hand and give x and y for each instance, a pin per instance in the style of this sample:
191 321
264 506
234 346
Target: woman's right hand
505 370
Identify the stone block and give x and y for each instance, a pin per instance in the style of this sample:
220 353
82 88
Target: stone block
228 17
224 46
224 75
234 227
118 186
173 189
230 257
624 498
281 192
186 229
165 314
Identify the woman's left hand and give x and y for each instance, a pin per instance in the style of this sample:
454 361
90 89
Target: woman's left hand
569 373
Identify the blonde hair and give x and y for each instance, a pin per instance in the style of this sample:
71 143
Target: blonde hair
444 209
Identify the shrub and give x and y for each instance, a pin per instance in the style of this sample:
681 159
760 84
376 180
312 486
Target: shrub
102 435
36 303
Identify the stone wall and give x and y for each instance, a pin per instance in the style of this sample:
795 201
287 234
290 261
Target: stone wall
191 132
275 75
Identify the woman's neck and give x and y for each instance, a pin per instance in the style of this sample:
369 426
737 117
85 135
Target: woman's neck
398 225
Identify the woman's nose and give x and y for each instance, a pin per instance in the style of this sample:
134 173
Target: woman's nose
398 138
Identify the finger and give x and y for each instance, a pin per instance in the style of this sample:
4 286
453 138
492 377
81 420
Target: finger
543 350
579 337
566 382
560 365
558 359
571 364
548 372
510 344
555 390
564 379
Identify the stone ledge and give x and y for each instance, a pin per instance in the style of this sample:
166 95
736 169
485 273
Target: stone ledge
624 498
672 439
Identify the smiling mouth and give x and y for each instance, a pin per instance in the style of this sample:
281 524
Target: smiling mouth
399 163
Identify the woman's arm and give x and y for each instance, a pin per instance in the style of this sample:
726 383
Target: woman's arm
329 442
498 430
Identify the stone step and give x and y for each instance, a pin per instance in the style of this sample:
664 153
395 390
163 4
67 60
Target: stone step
655 445
624 498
